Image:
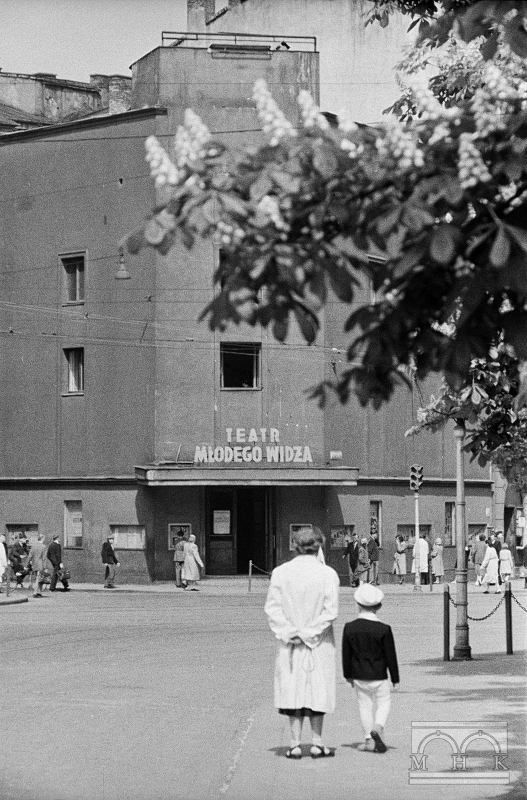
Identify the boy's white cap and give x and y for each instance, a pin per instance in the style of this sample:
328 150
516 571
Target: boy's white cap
368 595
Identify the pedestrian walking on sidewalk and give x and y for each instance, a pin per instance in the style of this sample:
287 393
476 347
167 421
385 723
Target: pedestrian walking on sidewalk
477 555
37 557
3 559
506 567
54 555
111 563
179 556
192 563
373 555
301 606
489 569
368 654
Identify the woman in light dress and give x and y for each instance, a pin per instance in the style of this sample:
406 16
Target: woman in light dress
190 572
489 569
438 569
301 606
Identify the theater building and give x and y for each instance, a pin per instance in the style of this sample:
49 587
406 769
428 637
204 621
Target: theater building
122 414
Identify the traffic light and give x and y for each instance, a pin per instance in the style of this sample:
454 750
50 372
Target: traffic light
416 477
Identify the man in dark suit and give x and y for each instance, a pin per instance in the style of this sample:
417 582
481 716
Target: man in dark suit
109 559
368 654
55 556
352 554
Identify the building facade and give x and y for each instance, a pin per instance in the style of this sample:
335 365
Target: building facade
121 413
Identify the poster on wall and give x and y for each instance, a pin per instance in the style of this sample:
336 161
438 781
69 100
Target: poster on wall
174 528
221 522
298 526
340 535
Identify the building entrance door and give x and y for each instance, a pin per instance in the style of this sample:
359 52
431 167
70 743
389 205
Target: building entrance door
238 525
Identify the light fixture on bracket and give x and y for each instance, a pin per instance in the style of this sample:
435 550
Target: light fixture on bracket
122 273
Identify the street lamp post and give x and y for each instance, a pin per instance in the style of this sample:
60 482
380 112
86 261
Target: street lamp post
461 647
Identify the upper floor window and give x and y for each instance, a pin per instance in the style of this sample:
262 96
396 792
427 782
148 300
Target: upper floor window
73 267
74 370
240 365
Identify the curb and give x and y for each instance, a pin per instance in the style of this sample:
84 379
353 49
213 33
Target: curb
14 601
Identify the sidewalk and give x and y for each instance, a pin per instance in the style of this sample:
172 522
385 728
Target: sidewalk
239 585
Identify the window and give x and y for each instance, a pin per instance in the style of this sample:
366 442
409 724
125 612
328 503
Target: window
376 519
240 366
128 537
73 278
474 531
73 523
173 530
450 523
74 370
13 532
302 526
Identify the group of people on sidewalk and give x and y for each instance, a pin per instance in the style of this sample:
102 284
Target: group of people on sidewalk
301 607
363 559
493 561
23 559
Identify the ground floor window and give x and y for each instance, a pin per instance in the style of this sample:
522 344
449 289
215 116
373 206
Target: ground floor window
408 531
376 519
450 523
73 523
15 531
340 535
128 537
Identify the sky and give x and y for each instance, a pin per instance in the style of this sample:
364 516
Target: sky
74 38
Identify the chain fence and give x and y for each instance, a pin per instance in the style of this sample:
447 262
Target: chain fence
518 602
481 619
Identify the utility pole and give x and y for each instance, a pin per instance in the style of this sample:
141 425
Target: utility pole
416 479
461 647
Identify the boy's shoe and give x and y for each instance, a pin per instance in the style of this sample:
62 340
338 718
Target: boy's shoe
367 746
380 747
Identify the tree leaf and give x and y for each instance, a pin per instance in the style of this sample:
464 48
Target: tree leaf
501 248
307 322
519 235
234 205
442 244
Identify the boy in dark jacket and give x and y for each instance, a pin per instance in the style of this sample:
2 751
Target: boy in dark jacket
368 654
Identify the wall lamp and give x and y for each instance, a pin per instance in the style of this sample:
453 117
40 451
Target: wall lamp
122 273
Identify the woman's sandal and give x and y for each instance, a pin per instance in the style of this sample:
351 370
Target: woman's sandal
321 752
294 752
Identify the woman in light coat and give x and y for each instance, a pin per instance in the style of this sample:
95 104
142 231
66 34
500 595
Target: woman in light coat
489 568
438 569
399 559
506 564
3 557
301 606
191 564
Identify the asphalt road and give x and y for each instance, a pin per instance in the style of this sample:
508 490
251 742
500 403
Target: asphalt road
114 696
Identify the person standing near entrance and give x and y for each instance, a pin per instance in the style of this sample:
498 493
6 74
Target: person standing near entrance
301 606
190 572
109 559
352 556
179 556
373 555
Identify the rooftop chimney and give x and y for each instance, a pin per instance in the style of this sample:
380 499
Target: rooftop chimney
119 94
198 14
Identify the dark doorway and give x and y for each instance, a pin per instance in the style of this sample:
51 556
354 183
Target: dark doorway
238 530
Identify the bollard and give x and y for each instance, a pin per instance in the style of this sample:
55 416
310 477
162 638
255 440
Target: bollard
508 618
250 573
431 578
446 623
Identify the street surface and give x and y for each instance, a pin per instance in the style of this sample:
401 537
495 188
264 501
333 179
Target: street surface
167 695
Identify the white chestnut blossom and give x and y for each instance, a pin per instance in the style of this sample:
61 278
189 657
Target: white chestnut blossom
311 115
162 169
269 208
274 122
471 167
346 122
401 145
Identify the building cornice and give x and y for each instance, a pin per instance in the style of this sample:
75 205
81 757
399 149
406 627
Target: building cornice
84 122
47 480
